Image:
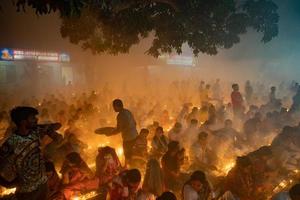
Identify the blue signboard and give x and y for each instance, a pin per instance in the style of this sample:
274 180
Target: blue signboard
6 54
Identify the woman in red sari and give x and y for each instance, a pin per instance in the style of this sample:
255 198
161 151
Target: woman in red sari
77 176
108 166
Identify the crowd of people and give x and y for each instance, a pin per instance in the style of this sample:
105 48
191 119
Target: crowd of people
192 142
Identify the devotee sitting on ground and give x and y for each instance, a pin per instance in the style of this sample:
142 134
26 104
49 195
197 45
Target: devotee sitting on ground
108 166
21 154
190 133
175 133
125 185
228 131
153 184
251 129
77 176
183 113
200 156
193 115
140 148
171 167
197 187
152 128
159 143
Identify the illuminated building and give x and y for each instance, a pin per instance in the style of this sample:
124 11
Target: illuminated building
34 68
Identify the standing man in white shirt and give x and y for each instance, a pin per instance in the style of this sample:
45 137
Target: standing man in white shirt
126 125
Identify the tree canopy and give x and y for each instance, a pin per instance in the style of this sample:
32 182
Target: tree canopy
114 26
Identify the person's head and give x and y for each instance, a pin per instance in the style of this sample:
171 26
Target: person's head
103 151
295 192
195 109
159 131
50 169
197 180
167 196
118 105
194 123
24 116
153 181
144 132
235 87
74 159
133 179
106 153
228 123
155 123
177 127
173 147
202 138
273 89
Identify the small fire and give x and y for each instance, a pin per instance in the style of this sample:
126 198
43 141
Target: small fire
92 165
280 186
225 167
228 167
75 198
119 151
8 191
85 196
120 154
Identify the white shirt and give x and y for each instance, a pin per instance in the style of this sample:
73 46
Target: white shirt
189 193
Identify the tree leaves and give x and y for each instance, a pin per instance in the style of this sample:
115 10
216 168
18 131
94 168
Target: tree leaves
114 26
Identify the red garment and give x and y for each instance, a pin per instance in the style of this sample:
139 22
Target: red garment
78 180
108 166
237 101
85 185
120 190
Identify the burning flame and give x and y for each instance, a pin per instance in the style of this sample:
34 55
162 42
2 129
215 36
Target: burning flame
228 167
85 196
119 151
225 167
8 191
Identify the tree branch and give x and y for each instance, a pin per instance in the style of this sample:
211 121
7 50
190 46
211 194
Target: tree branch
127 4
